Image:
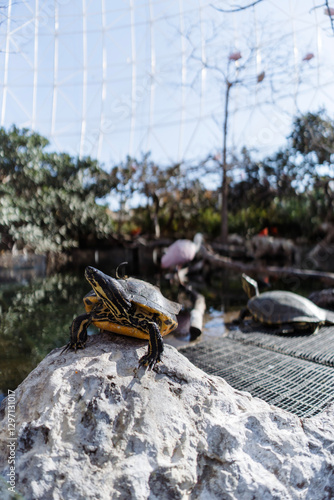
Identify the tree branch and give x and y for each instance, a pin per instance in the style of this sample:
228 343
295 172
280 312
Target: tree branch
330 15
238 9
328 12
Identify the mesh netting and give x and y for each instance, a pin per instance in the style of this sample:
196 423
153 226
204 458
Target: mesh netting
318 347
296 385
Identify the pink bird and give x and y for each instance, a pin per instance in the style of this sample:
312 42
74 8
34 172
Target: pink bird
181 252
235 56
308 56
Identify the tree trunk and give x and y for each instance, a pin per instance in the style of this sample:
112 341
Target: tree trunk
224 186
156 205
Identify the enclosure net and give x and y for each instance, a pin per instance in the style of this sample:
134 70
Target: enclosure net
318 348
110 79
295 373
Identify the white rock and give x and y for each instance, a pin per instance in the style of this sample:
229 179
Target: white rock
91 426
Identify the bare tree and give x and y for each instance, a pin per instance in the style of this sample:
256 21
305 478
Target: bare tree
233 75
256 54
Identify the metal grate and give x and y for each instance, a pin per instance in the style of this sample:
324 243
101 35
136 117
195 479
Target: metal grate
318 347
295 385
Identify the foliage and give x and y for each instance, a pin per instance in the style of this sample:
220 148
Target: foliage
313 137
184 206
289 187
284 190
48 200
152 182
35 319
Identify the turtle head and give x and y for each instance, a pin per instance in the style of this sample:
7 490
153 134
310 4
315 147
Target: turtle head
108 289
250 286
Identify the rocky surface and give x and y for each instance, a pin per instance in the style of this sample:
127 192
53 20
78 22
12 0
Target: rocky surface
91 426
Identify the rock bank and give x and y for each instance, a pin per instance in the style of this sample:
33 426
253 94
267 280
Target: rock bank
91 426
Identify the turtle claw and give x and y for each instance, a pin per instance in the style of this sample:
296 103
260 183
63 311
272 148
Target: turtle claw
73 345
66 348
149 361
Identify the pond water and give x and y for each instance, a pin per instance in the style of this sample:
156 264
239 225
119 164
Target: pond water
36 315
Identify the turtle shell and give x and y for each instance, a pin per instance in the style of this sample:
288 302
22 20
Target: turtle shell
151 306
278 307
149 297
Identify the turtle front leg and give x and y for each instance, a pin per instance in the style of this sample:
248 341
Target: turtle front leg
242 315
78 332
155 348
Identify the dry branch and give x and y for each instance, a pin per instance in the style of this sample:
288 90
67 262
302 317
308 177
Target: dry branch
220 261
237 8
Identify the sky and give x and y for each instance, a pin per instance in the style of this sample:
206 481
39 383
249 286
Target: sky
115 78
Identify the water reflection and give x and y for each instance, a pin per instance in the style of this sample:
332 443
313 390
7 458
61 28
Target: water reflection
22 268
35 318
215 323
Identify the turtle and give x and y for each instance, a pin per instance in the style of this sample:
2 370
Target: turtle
128 306
287 311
